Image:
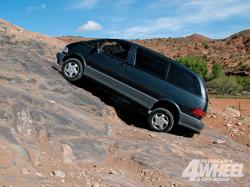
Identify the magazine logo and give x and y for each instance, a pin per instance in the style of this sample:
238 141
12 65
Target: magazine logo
212 170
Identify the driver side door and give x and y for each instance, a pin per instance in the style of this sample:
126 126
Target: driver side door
103 61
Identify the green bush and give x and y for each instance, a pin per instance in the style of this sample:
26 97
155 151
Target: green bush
244 82
217 71
224 85
197 64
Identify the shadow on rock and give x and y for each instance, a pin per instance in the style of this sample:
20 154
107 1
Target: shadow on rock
131 114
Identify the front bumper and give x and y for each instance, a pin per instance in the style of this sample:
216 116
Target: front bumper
60 57
190 122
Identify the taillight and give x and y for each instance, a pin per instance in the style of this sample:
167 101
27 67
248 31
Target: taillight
199 112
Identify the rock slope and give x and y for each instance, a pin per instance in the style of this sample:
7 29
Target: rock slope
53 133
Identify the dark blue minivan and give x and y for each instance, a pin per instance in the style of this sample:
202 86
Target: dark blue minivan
172 94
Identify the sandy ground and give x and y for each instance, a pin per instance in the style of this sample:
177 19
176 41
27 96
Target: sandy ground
230 122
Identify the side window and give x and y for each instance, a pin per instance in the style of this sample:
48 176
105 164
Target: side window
151 63
117 49
183 79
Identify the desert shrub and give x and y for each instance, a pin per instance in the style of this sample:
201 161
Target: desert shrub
197 64
206 45
224 85
217 71
242 65
244 82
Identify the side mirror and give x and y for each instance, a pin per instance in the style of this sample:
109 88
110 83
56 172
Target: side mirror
94 49
99 51
97 48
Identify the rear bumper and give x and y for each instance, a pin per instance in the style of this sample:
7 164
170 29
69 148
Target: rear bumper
190 122
60 57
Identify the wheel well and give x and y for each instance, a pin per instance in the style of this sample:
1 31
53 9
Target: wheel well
170 106
78 57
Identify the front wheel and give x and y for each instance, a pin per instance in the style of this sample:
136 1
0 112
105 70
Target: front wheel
160 120
72 69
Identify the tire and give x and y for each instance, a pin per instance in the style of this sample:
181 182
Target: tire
160 120
72 69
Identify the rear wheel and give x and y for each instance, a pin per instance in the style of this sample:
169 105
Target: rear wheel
161 120
72 69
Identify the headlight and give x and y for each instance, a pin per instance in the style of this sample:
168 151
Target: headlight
65 50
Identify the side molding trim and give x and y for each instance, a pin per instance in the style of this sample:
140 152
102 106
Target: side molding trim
126 90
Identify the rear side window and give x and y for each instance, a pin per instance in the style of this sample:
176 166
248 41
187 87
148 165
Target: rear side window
151 63
182 78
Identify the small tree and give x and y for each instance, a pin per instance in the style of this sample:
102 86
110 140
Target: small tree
217 71
197 64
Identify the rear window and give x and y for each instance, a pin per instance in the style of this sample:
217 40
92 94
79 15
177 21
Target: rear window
151 63
182 78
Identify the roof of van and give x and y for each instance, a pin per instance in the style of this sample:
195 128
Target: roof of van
152 51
